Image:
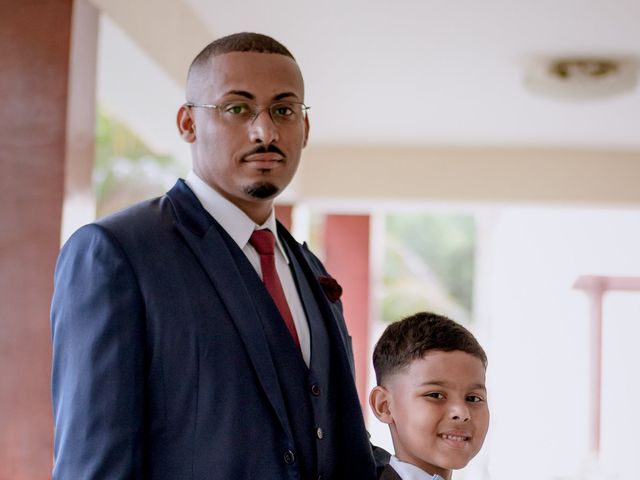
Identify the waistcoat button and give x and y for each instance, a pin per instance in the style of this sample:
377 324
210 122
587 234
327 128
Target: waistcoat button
289 457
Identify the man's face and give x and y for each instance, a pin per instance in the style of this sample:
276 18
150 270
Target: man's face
251 162
439 411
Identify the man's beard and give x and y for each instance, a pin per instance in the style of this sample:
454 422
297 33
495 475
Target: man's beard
261 190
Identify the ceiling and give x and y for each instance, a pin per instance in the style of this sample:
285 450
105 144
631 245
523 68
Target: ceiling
419 73
434 72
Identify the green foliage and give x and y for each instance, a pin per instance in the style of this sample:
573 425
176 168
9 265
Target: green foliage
126 169
428 265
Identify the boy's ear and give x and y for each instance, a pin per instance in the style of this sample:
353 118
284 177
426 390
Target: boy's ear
379 399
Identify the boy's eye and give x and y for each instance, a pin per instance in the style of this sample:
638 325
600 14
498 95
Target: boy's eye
474 398
436 395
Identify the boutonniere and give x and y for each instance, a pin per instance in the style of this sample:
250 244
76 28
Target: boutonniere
331 287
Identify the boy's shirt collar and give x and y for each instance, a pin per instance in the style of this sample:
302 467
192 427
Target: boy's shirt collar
410 472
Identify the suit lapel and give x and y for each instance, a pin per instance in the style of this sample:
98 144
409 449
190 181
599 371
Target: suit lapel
320 348
205 238
316 296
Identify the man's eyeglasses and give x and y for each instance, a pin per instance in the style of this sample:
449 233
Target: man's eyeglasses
241 113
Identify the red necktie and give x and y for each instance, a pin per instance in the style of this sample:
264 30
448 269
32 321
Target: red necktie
264 242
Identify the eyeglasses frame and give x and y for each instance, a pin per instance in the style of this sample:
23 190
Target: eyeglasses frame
256 114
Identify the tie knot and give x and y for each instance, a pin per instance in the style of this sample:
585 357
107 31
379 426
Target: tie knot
263 241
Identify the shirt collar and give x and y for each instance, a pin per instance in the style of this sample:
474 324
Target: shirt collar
410 472
235 222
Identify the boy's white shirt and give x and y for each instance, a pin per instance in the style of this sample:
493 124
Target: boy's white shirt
410 472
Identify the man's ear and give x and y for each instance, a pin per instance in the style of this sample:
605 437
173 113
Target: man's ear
186 124
306 130
379 399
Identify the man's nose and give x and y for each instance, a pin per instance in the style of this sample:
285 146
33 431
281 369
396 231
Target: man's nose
262 128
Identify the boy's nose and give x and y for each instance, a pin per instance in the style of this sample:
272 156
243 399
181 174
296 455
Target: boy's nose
459 412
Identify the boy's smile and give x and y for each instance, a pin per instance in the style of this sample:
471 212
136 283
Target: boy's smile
438 412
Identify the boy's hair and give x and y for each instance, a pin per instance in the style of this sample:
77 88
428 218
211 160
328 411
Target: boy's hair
240 42
411 338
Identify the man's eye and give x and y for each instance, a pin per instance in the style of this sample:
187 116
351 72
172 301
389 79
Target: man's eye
282 110
237 108
474 398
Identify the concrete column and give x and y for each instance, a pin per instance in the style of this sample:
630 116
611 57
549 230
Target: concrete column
347 259
35 39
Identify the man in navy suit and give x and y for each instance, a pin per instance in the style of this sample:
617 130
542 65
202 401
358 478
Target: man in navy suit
171 358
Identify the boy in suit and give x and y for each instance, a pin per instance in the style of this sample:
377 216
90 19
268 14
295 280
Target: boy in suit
431 391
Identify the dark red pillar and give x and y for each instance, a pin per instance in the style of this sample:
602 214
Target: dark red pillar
34 58
347 259
284 215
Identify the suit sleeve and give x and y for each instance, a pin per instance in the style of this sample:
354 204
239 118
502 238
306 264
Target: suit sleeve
97 323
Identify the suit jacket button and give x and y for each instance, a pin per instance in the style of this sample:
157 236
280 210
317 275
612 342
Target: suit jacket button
319 433
315 390
289 457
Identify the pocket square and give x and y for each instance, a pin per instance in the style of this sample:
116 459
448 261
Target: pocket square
331 287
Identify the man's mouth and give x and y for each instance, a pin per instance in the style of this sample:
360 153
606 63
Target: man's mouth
263 157
263 161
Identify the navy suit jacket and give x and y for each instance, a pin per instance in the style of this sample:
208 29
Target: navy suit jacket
161 368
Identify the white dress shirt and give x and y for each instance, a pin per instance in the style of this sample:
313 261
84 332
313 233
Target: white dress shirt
240 227
410 472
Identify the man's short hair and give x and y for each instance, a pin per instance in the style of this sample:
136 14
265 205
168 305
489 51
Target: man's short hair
240 42
412 337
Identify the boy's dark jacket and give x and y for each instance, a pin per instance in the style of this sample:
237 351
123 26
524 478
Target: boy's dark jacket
389 474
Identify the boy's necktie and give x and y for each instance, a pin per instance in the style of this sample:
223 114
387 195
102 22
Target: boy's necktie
264 243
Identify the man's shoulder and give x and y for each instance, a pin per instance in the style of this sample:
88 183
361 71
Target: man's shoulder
145 211
143 221
178 203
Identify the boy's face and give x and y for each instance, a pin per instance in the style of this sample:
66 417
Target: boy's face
437 411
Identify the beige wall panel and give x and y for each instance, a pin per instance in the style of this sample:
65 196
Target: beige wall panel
470 175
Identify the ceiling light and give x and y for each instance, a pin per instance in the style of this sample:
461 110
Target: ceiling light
582 77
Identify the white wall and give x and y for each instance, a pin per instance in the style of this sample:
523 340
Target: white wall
539 344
